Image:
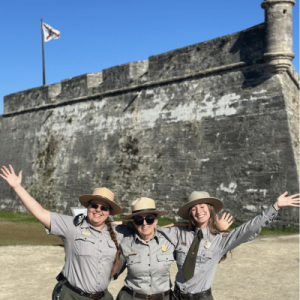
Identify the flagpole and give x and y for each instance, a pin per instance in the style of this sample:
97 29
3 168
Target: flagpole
44 80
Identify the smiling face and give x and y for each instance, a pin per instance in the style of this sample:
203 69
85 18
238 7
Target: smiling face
97 216
146 231
201 215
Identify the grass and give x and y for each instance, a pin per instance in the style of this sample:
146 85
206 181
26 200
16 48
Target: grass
9 216
271 230
24 229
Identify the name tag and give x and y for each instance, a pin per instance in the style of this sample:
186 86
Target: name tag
131 254
183 243
85 233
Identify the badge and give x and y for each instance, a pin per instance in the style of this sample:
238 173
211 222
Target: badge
85 233
183 243
207 245
163 248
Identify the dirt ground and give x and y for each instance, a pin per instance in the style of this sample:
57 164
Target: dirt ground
266 268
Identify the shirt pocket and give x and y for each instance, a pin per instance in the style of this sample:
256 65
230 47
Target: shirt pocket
84 245
164 262
134 264
110 251
204 259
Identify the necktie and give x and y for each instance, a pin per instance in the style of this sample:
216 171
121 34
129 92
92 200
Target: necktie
190 261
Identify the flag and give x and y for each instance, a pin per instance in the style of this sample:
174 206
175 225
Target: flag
50 33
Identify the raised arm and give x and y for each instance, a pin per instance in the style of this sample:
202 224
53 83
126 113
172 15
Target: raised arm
249 230
31 204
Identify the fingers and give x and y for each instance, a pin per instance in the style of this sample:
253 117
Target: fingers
230 218
5 171
11 169
227 217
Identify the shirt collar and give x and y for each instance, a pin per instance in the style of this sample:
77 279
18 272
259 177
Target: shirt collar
155 237
205 231
87 224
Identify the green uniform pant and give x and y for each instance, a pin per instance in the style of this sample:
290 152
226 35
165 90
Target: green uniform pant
61 292
124 296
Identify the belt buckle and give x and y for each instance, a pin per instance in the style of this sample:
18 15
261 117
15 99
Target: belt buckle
148 296
91 297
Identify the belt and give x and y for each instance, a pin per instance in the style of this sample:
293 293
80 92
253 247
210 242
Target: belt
159 296
93 296
184 296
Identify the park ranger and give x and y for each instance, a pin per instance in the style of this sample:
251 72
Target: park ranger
147 255
201 246
90 243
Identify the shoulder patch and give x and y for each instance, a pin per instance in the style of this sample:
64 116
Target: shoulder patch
78 220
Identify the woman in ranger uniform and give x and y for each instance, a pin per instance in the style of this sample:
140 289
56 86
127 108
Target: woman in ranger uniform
90 242
201 246
147 254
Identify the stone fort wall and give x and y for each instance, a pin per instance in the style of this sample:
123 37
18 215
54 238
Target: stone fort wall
208 117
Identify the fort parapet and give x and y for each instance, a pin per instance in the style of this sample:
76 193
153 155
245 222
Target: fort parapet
217 116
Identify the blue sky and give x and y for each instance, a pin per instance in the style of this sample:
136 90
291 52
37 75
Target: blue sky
100 34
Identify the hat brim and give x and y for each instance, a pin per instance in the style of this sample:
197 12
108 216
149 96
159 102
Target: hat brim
115 208
183 212
153 212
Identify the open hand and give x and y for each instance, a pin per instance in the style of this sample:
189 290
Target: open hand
285 200
225 221
9 175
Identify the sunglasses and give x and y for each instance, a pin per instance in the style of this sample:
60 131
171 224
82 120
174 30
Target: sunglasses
140 220
102 207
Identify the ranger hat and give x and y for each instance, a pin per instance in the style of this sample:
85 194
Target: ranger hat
143 205
197 198
104 195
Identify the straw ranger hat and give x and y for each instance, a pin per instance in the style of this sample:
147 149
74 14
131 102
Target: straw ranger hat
104 195
197 198
143 205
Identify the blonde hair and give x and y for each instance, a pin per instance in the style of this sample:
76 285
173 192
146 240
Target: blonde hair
212 224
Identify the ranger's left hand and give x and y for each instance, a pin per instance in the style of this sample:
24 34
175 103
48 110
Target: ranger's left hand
285 200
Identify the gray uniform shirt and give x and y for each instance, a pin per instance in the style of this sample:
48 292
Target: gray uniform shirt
212 248
147 263
89 253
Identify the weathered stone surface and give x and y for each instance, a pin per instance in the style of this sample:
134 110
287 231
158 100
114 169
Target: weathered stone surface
139 131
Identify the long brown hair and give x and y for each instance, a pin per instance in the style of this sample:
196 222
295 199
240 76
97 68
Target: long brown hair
113 236
212 224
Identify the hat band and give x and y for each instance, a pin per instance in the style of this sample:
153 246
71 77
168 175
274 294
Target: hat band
142 210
